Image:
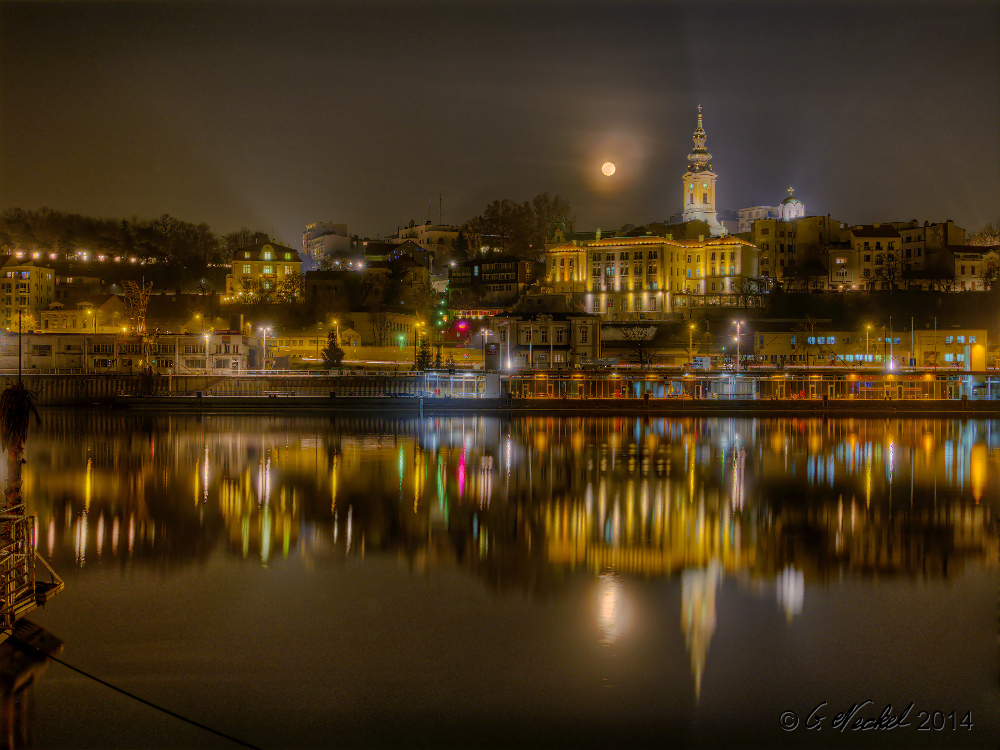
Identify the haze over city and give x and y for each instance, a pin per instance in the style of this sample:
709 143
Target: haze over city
275 114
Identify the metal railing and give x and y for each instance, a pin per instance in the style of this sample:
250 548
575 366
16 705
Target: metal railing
17 565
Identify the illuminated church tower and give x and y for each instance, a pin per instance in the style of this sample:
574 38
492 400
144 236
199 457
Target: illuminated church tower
699 184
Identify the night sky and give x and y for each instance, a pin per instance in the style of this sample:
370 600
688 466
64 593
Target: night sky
275 114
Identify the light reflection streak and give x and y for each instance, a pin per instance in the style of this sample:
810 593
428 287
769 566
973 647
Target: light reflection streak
609 614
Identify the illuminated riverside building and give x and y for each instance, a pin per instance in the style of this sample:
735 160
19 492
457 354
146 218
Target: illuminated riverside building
954 348
645 278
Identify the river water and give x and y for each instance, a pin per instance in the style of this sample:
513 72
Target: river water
300 581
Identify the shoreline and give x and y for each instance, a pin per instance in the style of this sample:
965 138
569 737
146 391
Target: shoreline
433 406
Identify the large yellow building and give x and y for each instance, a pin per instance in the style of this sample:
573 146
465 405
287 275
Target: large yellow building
647 277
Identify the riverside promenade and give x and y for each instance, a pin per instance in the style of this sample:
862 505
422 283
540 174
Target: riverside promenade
827 393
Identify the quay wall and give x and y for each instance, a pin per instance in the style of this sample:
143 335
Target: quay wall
444 394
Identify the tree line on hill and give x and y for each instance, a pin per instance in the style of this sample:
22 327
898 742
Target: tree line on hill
519 229
166 238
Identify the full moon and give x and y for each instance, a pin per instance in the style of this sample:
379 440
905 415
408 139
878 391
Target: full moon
608 168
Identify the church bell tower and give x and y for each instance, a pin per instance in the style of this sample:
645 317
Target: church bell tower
699 184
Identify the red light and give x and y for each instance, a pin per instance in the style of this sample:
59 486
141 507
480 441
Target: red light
462 324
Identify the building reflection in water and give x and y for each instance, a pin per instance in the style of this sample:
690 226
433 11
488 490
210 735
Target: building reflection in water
524 503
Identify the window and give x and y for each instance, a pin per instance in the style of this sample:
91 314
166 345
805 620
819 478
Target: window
268 271
972 339
961 339
545 336
704 198
246 268
949 339
583 335
221 364
559 336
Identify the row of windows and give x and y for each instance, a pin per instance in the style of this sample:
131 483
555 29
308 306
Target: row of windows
873 340
543 333
268 270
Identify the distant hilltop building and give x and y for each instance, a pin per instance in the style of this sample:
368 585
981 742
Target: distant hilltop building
699 184
789 209
325 239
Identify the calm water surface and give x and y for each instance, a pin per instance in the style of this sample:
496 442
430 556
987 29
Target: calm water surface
320 582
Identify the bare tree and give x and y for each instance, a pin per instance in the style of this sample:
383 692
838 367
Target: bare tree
380 328
639 337
750 291
988 236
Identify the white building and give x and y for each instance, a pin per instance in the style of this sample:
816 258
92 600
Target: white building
789 209
324 238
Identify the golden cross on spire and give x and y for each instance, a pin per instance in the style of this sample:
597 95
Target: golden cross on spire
790 191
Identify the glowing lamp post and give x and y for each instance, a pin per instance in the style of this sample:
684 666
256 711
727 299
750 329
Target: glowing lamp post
739 329
264 330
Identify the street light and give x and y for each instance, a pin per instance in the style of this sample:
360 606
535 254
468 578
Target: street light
485 332
739 329
416 335
265 330
205 336
691 327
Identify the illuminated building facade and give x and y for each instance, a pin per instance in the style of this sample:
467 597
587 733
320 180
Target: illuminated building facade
948 348
264 268
647 277
25 289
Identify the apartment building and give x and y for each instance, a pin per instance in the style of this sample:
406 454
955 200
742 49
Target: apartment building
792 247
494 279
25 289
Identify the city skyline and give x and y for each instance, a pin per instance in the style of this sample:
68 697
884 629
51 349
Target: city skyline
226 113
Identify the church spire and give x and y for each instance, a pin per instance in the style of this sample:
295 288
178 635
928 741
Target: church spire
699 160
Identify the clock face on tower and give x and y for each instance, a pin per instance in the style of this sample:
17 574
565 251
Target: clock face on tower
691 186
704 184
